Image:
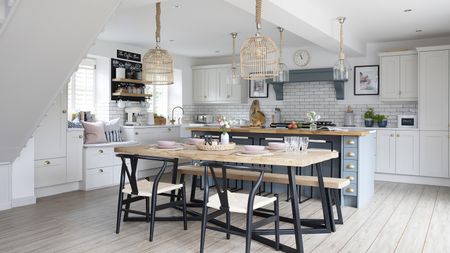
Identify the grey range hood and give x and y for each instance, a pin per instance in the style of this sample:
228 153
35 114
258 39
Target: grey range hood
310 75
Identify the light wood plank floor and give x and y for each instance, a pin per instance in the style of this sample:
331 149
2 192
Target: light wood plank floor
400 218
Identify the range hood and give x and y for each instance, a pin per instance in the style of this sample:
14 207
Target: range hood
310 75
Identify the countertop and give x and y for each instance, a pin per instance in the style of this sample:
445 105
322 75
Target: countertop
149 126
350 132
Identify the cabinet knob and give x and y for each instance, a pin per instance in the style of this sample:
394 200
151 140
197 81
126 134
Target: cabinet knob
350 166
205 96
350 190
228 96
392 135
398 135
351 154
80 136
350 178
169 129
136 133
351 142
101 170
100 151
64 111
46 162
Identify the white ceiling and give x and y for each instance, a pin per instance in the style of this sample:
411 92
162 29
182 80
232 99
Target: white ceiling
199 28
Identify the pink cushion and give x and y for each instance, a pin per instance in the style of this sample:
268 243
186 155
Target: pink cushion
94 132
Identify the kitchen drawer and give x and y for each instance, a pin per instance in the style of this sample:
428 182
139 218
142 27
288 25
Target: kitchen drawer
50 172
100 177
350 190
350 153
350 165
350 142
100 157
352 176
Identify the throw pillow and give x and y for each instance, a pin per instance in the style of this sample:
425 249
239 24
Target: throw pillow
112 130
94 132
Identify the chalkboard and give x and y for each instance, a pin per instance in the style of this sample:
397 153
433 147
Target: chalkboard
128 55
131 68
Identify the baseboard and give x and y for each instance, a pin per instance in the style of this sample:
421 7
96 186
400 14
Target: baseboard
413 179
57 189
25 201
5 206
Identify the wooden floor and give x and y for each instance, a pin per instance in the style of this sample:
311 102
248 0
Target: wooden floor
400 218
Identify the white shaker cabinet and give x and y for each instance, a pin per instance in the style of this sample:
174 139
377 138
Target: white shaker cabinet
398 76
75 140
433 89
434 153
398 152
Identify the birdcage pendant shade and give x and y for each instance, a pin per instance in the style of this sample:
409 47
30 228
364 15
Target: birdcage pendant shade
158 67
259 58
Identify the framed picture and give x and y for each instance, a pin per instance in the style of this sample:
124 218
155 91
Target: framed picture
366 79
258 89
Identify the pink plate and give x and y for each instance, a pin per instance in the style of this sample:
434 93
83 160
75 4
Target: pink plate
253 148
276 145
166 143
167 147
254 152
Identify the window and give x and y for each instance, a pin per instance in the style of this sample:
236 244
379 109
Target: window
165 97
81 88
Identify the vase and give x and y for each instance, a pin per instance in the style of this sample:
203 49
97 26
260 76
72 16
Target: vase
382 123
312 126
368 122
224 139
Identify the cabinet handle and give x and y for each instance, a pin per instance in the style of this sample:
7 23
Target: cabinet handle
80 136
350 178
351 154
351 142
101 170
228 96
136 133
204 96
169 129
400 92
100 151
350 166
47 162
392 135
64 111
349 190
398 135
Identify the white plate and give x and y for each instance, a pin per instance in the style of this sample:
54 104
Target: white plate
276 149
254 152
167 147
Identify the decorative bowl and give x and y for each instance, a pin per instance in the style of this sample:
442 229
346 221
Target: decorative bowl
277 145
166 143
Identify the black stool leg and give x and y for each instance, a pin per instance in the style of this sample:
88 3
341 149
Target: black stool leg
152 217
228 220
193 186
119 212
127 208
248 232
147 208
277 223
184 206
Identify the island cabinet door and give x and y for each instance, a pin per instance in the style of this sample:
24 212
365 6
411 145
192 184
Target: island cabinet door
386 151
407 152
434 154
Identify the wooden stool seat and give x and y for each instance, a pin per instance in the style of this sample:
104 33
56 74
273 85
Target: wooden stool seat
145 188
238 202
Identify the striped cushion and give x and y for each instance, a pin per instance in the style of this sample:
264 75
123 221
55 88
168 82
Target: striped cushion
113 136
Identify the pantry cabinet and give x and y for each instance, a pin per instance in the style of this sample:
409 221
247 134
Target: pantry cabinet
398 76
433 88
398 152
213 84
434 153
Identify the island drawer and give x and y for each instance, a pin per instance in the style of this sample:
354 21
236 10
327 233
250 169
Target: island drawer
352 176
350 190
350 142
350 153
350 165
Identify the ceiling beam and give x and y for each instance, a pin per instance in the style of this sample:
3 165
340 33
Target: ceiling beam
305 20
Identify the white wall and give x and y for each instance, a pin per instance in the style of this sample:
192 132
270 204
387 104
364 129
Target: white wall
5 186
23 177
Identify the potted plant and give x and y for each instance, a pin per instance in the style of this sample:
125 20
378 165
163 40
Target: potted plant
224 128
312 118
368 117
381 120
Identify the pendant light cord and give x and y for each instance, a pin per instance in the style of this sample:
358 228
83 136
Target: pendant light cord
234 35
258 14
158 23
281 41
341 40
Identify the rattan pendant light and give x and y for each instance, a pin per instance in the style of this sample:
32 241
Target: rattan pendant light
259 54
341 68
284 71
157 62
235 77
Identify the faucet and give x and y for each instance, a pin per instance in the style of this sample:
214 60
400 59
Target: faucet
172 121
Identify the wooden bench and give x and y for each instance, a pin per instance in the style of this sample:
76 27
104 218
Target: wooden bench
332 185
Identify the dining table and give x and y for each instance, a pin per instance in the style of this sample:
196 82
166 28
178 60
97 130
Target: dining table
287 159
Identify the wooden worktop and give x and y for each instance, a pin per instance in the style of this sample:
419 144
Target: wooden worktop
284 131
295 159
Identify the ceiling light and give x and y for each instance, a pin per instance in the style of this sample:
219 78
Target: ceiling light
157 63
407 10
177 5
259 54
341 69
235 78
283 75
418 30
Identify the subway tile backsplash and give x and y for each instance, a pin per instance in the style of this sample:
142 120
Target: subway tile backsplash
302 98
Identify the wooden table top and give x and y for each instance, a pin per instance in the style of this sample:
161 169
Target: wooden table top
284 131
295 159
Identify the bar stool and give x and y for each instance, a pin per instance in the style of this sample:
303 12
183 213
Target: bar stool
148 190
226 202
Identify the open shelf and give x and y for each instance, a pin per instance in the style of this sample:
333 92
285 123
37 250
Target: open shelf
125 80
126 94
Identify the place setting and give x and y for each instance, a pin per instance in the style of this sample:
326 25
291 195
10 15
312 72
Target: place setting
166 145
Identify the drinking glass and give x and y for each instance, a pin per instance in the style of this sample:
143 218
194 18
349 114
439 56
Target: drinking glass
304 141
292 143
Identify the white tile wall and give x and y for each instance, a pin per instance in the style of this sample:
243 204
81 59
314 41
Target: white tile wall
302 98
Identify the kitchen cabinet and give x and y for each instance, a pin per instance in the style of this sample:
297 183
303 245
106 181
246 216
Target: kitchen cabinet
434 153
213 84
398 152
433 88
75 140
398 76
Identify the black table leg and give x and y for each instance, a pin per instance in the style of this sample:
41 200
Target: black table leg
325 199
295 210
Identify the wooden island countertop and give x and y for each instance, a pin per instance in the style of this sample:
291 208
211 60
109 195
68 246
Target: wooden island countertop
284 131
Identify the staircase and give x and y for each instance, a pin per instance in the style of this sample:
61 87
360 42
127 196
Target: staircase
41 44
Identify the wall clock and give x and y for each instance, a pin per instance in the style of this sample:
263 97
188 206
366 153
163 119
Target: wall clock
302 58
